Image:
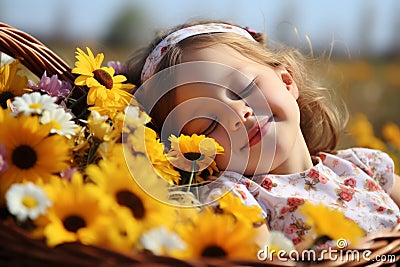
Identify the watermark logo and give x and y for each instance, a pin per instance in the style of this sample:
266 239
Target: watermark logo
339 253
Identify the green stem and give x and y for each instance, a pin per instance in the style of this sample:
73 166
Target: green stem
78 102
92 152
193 176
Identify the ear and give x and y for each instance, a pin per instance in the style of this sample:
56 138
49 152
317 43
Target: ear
288 80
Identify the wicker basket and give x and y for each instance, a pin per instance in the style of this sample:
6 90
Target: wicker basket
18 249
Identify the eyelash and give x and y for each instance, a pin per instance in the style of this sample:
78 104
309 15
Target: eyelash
247 91
211 127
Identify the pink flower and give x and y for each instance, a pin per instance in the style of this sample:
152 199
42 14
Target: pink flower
291 229
68 173
317 176
3 162
346 196
346 193
295 201
322 157
118 67
313 174
52 86
241 192
296 240
247 184
372 186
322 179
350 182
284 210
381 209
267 184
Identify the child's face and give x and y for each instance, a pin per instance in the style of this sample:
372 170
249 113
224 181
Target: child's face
250 110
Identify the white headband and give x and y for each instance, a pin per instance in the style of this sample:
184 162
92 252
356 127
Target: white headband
155 57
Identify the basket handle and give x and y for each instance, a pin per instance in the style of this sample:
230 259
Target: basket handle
32 53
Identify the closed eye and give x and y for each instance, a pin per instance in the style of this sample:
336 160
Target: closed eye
242 94
247 91
211 127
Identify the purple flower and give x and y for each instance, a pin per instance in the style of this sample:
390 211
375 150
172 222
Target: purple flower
68 173
117 66
3 162
52 86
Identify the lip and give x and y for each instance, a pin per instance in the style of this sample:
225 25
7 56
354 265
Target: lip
258 132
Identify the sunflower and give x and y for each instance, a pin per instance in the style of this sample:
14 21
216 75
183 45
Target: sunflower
79 213
11 84
31 152
143 195
232 204
155 152
194 153
218 236
105 89
331 223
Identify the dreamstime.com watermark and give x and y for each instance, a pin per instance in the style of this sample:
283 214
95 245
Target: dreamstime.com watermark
340 254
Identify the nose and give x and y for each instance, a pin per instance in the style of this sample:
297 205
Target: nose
242 113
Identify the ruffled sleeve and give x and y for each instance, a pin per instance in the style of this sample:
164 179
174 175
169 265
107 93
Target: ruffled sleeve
375 163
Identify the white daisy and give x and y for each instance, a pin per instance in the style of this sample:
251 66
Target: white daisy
5 59
134 113
60 121
34 103
26 201
99 125
160 241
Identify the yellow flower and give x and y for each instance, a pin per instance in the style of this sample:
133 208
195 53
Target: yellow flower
331 223
31 152
391 132
105 89
360 126
11 84
218 236
199 148
77 214
101 127
363 133
143 196
155 152
232 204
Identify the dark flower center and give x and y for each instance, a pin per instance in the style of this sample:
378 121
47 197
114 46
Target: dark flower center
24 157
103 78
73 223
193 156
4 96
133 202
213 252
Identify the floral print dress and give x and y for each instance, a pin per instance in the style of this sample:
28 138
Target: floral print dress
356 181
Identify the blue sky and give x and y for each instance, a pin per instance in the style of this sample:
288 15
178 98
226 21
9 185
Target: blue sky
358 24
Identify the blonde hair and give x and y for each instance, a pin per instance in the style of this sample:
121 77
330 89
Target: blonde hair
321 119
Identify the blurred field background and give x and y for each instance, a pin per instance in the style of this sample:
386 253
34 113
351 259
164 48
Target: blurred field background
361 39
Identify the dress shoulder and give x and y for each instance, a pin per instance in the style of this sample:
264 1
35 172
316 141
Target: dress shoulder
377 164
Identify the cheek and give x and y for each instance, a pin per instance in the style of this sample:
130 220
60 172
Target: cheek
222 138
